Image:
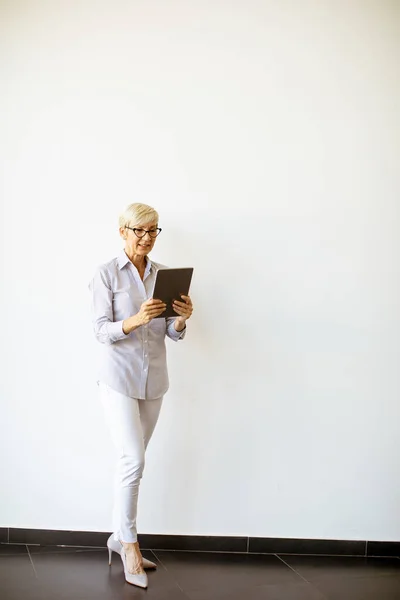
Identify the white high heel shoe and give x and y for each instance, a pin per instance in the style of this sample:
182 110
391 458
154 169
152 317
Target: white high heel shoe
114 545
138 579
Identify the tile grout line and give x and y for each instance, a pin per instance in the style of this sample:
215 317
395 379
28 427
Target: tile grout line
166 570
294 570
248 545
159 560
30 558
8 535
366 547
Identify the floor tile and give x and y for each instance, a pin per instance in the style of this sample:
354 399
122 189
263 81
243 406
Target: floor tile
365 588
87 576
318 568
75 573
285 591
198 572
17 578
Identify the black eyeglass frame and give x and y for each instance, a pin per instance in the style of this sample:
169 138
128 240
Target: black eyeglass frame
153 237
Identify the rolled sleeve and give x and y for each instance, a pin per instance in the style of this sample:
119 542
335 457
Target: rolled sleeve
171 331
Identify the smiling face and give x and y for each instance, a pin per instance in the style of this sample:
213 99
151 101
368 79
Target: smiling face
138 246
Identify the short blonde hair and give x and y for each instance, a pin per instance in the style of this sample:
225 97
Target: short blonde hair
138 214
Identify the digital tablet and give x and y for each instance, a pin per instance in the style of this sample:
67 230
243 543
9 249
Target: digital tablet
169 285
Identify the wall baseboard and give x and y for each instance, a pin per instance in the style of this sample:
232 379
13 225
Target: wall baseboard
200 543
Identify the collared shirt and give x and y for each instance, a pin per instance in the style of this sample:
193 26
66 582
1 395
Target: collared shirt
133 364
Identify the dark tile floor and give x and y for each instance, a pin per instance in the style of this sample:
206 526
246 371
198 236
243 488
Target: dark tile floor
57 573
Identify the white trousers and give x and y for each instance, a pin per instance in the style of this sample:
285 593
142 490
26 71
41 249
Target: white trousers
131 423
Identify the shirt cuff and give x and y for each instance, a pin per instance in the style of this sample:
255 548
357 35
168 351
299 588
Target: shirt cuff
115 331
174 334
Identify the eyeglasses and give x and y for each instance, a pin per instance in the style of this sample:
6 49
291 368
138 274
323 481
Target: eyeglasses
139 232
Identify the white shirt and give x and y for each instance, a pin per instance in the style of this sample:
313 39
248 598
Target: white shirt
133 364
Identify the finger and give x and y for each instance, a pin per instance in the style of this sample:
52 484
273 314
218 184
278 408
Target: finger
187 310
179 309
155 311
187 304
154 302
155 306
182 313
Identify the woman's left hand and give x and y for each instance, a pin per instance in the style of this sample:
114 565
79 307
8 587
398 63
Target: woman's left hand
184 310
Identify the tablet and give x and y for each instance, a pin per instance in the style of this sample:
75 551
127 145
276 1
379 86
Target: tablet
169 285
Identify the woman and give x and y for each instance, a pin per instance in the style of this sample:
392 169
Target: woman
133 375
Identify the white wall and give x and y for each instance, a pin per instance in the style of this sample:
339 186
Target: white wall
267 136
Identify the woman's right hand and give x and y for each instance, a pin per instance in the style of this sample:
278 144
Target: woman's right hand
148 311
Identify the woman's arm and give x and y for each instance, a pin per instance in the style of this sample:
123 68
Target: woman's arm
171 331
184 310
176 326
106 330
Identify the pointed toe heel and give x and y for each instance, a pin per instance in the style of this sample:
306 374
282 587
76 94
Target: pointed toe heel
138 579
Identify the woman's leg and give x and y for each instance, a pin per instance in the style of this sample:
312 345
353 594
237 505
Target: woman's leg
123 420
131 424
149 413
